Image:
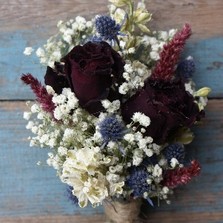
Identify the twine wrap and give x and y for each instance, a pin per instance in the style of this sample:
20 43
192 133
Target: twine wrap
122 212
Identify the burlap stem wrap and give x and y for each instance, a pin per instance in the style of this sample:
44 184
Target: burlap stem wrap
122 212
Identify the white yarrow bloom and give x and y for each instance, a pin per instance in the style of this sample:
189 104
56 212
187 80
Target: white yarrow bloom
27 115
57 113
59 99
40 52
148 152
30 125
50 90
80 170
35 108
80 20
172 32
154 55
141 118
111 107
157 171
34 130
128 68
174 162
123 89
189 88
28 51
129 137
62 151
163 35
137 157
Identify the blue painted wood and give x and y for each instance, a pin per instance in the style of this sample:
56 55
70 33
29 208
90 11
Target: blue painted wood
28 189
25 188
31 194
207 53
13 64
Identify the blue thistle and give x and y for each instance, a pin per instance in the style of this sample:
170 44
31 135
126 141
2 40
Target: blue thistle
111 129
150 160
186 68
174 151
137 181
70 195
95 39
107 27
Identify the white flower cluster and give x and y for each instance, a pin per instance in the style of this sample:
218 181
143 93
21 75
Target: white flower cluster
81 170
135 74
71 33
65 103
156 42
111 107
201 95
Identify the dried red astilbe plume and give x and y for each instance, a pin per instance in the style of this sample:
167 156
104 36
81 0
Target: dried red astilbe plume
174 178
170 54
40 91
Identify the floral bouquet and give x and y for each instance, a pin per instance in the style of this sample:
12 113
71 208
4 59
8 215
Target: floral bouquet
116 109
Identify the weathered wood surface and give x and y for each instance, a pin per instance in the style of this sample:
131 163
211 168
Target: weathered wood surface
30 23
28 190
29 193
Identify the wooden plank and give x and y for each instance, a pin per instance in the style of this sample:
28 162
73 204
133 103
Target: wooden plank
207 53
208 56
17 32
34 194
204 15
25 188
29 193
165 217
55 219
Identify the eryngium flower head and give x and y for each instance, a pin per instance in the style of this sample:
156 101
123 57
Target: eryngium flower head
186 68
174 151
137 181
107 27
95 39
71 197
111 129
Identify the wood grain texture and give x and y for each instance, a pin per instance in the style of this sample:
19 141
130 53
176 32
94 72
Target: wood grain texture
30 23
202 217
204 15
55 219
25 188
30 192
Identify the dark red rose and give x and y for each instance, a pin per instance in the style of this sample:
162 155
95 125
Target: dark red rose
167 104
91 69
56 78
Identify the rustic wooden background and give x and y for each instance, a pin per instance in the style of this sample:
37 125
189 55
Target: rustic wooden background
32 194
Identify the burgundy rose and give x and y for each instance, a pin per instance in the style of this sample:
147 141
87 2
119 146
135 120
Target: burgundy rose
91 69
167 104
56 78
